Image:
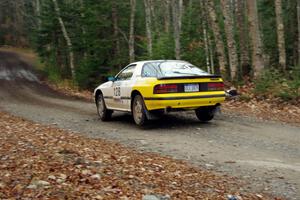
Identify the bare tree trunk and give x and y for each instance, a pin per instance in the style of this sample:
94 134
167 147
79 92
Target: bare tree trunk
67 38
298 19
280 34
217 35
180 14
19 22
205 35
131 31
177 17
256 43
234 6
153 15
206 49
38 13
229 32
243 37
167 18
211 53
114 13
148 27
83 29
292 28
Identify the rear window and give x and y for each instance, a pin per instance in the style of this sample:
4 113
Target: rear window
171 69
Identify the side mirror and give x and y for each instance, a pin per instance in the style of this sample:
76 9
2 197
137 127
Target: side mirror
111 78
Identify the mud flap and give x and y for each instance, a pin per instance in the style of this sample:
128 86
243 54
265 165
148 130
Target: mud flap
218 110
150 115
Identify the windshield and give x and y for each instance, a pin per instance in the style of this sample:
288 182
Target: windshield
171 69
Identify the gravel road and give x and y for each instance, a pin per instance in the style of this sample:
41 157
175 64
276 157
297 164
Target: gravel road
264 154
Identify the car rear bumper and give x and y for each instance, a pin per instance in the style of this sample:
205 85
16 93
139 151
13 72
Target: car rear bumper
183 102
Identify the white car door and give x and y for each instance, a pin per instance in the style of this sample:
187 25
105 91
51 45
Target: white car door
107 90
122 88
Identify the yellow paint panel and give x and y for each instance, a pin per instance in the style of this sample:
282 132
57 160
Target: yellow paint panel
177 100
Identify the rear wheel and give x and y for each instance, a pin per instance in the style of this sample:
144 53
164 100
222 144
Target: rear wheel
205 114
139 110
103 112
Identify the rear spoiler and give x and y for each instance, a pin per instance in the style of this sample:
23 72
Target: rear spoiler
189 77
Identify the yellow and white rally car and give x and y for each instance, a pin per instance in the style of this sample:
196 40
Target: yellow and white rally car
150 88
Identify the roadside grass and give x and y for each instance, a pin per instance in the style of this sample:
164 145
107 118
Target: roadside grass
28 55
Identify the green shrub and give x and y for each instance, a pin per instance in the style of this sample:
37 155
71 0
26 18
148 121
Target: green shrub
245 97
285 95
295 81
52 71
267 82
277 84
91 73
163 47
54 76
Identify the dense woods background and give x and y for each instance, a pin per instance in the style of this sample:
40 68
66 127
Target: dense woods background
83 40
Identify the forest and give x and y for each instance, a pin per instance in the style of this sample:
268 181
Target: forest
256 41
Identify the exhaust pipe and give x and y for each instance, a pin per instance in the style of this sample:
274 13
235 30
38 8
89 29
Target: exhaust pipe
231 93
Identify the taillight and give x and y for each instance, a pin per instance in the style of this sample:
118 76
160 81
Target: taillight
215 86
165 88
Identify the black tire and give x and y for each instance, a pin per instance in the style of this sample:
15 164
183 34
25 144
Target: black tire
205 114
139 111
103 112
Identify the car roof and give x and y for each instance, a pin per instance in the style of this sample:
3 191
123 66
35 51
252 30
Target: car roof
147 61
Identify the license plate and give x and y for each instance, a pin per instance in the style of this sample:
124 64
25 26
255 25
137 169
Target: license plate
191 87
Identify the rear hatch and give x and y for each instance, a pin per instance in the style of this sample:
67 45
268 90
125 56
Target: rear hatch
189 85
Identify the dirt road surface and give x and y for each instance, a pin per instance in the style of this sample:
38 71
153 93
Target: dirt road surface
265 154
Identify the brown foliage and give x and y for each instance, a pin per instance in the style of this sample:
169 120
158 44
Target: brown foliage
42 162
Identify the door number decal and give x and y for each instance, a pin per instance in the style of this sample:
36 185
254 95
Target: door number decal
117 91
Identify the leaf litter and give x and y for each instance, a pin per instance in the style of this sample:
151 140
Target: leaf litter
44 162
